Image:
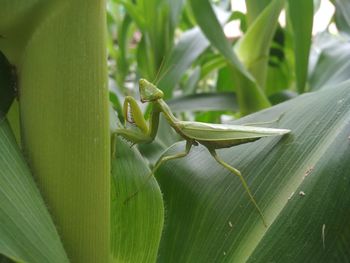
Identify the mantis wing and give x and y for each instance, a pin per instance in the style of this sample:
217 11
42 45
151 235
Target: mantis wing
225 132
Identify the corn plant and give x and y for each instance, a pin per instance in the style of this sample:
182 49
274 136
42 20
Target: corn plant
68 193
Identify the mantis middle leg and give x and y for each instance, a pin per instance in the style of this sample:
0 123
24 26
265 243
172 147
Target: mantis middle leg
159 163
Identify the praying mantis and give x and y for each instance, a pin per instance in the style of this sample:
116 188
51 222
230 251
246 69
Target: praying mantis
212 136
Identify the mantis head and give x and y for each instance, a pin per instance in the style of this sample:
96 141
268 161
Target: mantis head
149 92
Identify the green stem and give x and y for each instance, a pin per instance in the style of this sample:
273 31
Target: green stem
64 115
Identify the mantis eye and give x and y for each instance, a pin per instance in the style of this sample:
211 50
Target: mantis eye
148 91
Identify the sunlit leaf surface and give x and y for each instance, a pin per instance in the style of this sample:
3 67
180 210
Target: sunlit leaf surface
301 182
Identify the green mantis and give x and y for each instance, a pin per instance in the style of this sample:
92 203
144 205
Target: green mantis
212 136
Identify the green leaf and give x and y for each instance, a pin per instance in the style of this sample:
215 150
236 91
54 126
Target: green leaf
191 83
212 63
7 84
144 60
4 259
282 96
135 14
175 11
254 8
253 48
342 16
250 97
330 61
27 233
190 45
301 16
123 47
219 101
212 29
300 181
281 59
137 222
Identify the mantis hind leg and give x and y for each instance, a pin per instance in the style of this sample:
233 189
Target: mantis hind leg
244 183
159 163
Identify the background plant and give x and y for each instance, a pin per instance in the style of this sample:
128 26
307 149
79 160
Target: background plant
207 77
194 211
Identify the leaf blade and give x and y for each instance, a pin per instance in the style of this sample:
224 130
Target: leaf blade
136 222
7 84
27 232
209 215
211 27
301 16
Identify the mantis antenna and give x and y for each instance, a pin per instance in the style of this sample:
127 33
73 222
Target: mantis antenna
160 75
159 70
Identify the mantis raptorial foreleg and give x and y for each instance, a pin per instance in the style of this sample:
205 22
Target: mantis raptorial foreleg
159 163
244 183
133 114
